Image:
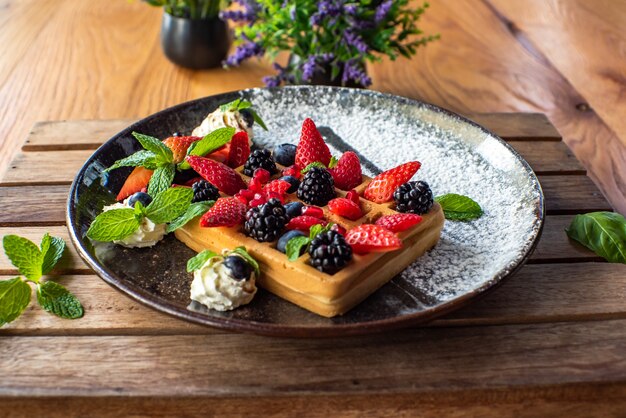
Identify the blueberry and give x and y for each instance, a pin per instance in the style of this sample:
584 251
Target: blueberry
282 241
293 181
239 268
144 198
294 209
285 154
247 116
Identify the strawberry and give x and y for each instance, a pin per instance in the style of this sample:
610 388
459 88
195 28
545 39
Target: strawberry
347 173
220 175
138 180
399 222
179 146
354 196
227 211
345 208
311 147
372 238
304 223
221 154
278 186
239 149
382 186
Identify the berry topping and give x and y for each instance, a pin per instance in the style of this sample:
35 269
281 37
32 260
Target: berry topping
282 241
313 211
144 198
413 197
138 180
260 158
291 171
179 146
239 150
261 175
338 228
294 209
222 176
354 196
304 223
329 252
227 211
382 186
347 173
239 268
316 187
247 116
399 221
257 200
266 223
294 182
345 208
285 154
311 147
372 238
203 191
279 187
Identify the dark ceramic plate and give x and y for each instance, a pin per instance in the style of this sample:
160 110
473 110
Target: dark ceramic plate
458 156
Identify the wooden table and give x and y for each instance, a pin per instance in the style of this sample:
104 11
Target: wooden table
550 341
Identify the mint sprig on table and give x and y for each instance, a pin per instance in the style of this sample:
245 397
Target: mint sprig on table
240 104
209 143
202 257
457 207
117 224
33 262
604 233
295 244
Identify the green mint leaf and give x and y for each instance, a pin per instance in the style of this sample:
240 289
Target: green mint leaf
244 253
211 142
161 179
199 260
140 210
236 104
51 251
333 162
295 247
169 204
113 225
14 298
313 164
140 158
56 299
459 208
258 119
161 151
24 255
604 233
194 210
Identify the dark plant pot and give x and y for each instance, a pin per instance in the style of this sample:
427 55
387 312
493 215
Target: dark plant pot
195 43
322 76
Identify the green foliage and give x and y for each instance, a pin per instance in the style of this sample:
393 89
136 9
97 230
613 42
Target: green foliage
194 9
604 233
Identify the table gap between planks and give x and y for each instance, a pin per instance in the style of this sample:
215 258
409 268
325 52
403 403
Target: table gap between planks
553 335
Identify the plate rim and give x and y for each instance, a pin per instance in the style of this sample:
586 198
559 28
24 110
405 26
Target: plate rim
304 331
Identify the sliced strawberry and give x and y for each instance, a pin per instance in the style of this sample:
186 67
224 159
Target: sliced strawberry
277 186
347 173
382 186
227 211
304 223
345 208
138 180
239 149
354 196
399 221
311 147
314 211
220 175
372 238
220 154
179 146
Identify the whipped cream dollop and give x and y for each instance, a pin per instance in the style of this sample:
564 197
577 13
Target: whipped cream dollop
219 119
215 286
147 235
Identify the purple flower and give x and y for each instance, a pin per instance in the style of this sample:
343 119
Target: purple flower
308 68
355 71
249 13
243 52
356 41
382 10
327 9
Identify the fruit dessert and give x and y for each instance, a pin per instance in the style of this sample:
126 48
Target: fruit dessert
295 220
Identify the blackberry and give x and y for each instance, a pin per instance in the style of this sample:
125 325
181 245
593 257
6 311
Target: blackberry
260 158
266 223
330 252
203 191
317 187
413 197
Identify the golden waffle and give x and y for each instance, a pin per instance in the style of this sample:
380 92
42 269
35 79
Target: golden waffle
302 284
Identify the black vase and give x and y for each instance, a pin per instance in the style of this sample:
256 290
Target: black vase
195 43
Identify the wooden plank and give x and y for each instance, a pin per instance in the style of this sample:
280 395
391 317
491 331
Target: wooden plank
33 205
538 293
518 126
572 194
549 157
408 361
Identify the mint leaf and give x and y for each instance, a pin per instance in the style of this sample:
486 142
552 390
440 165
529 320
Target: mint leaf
161 179
140 158
333 162
237 104
161 151
169 204
14 298
51 250
318 229
244 253
258 119
199 260
211 142
194 210
459 208
313 164
56 299
113 225
24 255
604 233
294 247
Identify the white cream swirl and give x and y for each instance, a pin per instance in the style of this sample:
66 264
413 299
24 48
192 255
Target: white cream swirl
219 119
147 235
